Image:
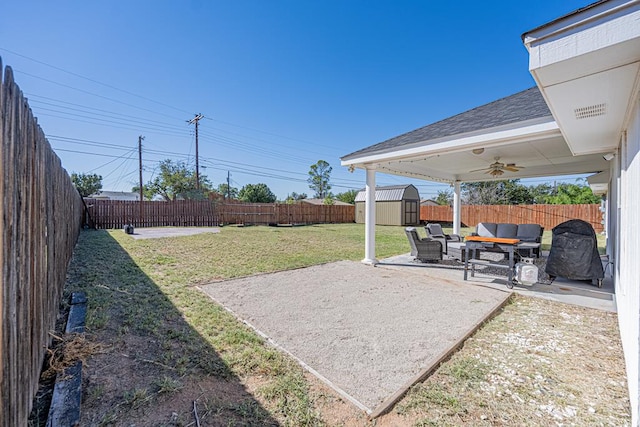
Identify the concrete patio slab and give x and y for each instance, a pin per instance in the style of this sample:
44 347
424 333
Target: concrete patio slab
370 333
160 232
562 290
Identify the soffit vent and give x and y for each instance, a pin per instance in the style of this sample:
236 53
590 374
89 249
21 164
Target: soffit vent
591 111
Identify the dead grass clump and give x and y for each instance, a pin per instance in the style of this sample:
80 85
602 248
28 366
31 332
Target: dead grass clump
68 349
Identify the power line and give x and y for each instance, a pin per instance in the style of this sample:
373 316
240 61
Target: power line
117 121
113 126
92 80
271 133
169 131
90 93
112 87
110 115
222 162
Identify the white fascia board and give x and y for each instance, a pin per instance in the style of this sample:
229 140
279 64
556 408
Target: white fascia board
526 133
609 24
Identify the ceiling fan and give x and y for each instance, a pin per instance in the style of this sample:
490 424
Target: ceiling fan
497 168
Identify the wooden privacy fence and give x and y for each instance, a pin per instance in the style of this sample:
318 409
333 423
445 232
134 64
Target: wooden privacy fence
40 221
204 213
547 216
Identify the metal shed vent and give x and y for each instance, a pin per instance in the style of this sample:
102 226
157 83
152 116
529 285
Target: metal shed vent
591 111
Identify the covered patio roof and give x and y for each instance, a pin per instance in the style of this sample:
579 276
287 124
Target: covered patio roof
517 129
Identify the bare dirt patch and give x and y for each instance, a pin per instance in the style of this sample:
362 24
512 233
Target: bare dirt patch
167 345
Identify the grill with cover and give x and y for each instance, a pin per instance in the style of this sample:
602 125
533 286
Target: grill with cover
574 253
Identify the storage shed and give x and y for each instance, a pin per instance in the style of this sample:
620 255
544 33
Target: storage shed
395 205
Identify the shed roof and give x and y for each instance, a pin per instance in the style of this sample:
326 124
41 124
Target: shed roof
391 193
522 106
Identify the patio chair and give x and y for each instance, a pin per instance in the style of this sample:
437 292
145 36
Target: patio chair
423 249
434 231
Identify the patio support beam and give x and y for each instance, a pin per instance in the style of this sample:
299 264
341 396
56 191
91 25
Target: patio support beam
457 207
370 218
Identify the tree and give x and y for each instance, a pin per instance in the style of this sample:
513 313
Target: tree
506 192
444 198
294 197
256 193
571 194
227 191
176 179
516 193
87 184
541 193
348 196
511 192
319 175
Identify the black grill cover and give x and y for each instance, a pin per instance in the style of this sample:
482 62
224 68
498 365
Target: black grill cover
574 252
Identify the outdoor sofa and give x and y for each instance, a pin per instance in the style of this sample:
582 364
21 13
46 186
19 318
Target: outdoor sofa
530 233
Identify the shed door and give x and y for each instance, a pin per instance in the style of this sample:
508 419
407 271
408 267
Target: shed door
411 212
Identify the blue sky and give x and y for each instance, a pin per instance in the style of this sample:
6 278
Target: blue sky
281 84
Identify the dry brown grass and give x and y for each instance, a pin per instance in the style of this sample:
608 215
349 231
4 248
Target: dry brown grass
68 349
537 363
169 346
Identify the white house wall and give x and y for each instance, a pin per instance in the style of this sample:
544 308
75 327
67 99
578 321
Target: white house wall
627 265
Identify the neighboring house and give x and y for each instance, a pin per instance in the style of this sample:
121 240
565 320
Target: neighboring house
318 202
396 205
116 195
428 202
583 116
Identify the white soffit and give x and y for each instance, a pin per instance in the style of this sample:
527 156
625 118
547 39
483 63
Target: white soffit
586 66
590 110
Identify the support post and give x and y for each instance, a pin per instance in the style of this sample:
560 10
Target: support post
370 218
457 207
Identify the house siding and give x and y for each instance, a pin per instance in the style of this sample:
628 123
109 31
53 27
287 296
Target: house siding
627 267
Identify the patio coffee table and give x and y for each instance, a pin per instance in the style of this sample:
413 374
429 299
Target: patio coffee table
476 244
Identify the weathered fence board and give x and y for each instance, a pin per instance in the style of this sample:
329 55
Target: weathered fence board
204 213
40 219
547 216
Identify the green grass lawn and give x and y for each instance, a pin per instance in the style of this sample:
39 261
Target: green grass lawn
144 304
143 291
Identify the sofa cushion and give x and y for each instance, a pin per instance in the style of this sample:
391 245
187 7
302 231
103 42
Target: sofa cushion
486 229
529 232
506 230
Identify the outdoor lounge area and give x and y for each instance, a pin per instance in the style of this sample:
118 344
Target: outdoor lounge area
561 289
582 116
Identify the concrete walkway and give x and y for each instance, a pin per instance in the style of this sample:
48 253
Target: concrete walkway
370 333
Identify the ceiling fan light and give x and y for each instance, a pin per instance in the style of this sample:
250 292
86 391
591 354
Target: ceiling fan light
477 151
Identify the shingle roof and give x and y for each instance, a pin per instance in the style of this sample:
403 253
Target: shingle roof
526 105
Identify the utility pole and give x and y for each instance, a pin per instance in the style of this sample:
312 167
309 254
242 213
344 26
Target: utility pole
140 138
228 186
195 121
